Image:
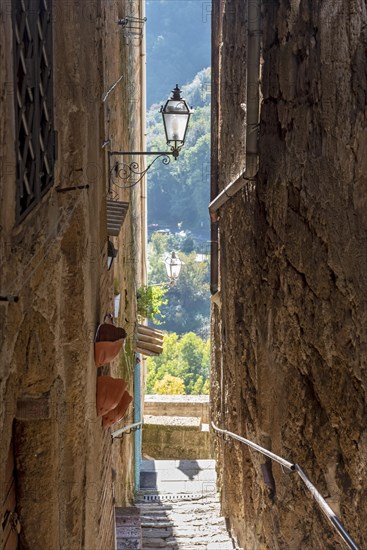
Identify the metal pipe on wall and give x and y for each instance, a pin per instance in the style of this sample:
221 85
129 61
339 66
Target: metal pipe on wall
252 110
139 366
137 420
214 230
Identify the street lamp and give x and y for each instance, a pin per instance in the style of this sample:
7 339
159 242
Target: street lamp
173 267
176 115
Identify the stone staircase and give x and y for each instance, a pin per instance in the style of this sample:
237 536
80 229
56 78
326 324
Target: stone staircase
176 508
188 524
179 506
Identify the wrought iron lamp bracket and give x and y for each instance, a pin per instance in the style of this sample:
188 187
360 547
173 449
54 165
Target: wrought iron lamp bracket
128 174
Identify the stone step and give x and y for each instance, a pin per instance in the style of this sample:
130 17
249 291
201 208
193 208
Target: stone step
150 495
182 519
194 530
172 465
182 510
157 532
191 544
179 518
184 545
128 532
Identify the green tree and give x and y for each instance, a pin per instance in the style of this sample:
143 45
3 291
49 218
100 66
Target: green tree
164 363
180 193
187 26
186 358
187 308
171 385
198 386
193 362
150 301
157 252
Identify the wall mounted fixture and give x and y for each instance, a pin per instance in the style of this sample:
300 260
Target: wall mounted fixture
132 26
111 254
176 115
173 267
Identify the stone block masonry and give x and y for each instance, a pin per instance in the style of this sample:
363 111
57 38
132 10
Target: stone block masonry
178 405
288 336
54 257
174 438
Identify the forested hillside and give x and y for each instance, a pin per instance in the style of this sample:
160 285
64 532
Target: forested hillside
178 52
178 44
187 308
179 194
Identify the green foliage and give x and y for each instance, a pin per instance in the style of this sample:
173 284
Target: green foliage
150 300
186 358
178 44
169 385
188 306
179 193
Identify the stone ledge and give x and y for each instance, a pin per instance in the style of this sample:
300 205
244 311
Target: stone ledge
176 398
178 405
178 421
174 438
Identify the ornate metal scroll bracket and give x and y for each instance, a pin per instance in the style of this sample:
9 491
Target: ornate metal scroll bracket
128 174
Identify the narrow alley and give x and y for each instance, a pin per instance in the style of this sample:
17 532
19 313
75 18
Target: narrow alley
177 507
183 274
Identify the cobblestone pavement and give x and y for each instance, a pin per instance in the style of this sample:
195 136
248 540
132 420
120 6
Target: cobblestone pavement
180 508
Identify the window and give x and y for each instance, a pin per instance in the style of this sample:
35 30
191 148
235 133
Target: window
34 134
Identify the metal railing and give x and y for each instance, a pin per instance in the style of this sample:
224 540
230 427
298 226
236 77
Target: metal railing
323 505
130 428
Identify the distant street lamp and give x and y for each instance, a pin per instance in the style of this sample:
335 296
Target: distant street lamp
173 267
176 115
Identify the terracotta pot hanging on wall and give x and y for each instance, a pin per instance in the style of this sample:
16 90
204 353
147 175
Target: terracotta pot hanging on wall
109 393
118 412
108 343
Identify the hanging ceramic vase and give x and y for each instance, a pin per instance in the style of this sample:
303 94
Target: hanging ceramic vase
118 412
108 342
109 393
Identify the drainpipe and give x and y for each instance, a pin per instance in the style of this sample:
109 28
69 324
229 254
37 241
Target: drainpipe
252 124
137 419
139 366
253 109
214 188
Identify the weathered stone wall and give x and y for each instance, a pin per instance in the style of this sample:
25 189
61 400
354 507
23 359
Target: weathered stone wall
56 261
175 438
178 405
290 332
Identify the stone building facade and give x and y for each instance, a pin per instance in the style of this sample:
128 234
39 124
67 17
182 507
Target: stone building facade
72 82
289 308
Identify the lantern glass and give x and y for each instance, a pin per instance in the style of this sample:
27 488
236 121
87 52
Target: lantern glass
176 115
173 266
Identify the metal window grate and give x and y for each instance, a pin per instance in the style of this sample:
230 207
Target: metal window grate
34 134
